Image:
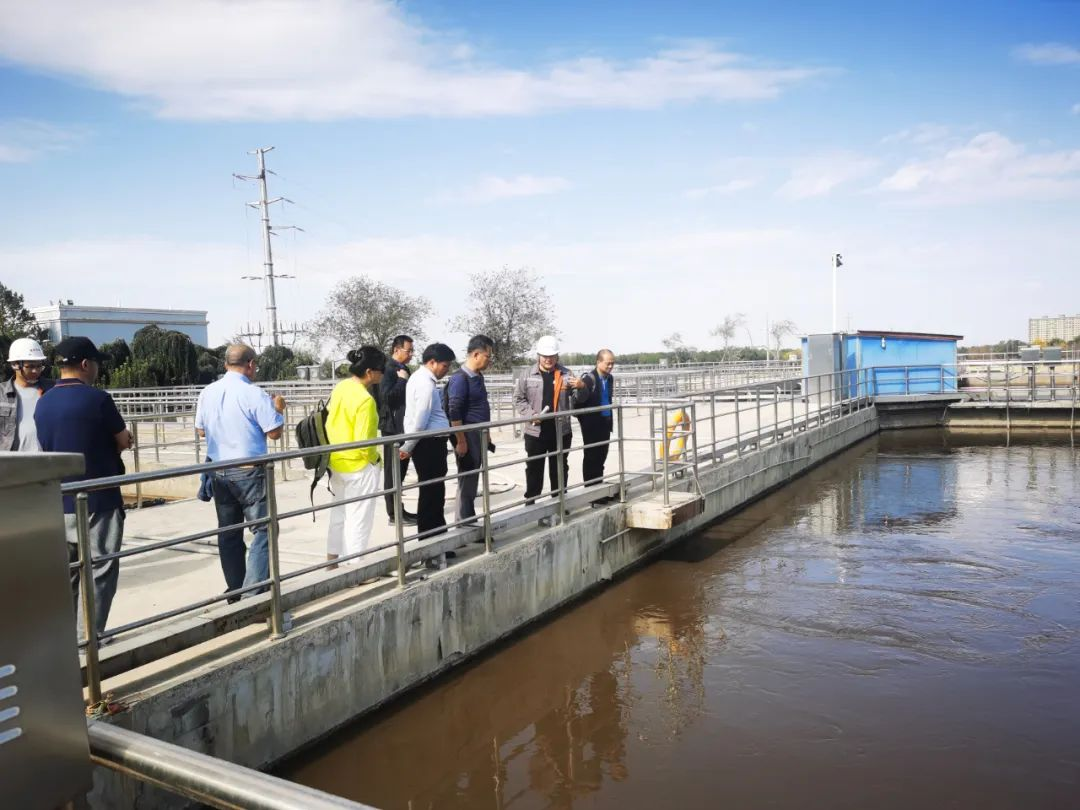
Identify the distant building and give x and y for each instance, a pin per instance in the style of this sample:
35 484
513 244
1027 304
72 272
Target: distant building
1046 328
105 324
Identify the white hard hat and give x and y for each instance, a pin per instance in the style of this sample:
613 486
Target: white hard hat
547 345
25 350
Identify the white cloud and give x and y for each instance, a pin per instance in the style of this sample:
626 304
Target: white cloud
333 59
1048 53
919 135
23 140
491 189
988 167
820 175
722 189
650 283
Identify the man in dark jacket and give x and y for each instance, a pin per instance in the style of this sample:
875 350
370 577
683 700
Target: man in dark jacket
467 404
392 414
20 394
596 427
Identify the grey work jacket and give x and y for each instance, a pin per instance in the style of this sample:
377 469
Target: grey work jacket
529 397
9 411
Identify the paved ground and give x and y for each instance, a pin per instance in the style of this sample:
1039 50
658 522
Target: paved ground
167 579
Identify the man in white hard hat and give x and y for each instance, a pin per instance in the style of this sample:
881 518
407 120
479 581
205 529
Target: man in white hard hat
20 394
548 387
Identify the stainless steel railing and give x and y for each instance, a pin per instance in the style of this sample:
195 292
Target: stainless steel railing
780 408
209 780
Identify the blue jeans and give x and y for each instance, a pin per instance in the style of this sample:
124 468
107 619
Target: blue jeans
240 496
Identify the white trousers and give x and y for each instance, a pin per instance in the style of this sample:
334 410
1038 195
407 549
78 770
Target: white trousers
350 523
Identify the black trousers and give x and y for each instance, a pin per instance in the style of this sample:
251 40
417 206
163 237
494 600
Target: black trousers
534 467
592 464
429 455
388 480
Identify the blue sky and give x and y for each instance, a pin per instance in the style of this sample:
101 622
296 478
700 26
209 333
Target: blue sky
661 165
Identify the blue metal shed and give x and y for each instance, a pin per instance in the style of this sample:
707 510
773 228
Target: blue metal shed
901 362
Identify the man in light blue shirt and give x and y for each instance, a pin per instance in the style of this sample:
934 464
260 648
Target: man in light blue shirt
424 411
237 417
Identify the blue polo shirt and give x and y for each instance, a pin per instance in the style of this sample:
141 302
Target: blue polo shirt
73 417
236 415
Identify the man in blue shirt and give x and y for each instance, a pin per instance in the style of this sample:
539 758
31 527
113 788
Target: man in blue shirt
596 427
467 404
424 411
75 417
237 417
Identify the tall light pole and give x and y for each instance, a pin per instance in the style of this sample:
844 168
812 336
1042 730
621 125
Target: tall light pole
837 263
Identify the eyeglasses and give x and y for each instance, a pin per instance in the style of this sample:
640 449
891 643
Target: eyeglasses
31 366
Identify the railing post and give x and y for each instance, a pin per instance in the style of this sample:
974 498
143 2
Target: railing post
135 454
694 441
399 530
653 457
277 618
666 451
806 403
941 380
560 471
285 441
776 413
89 606
738 431
485 437
757 416
157 427
712 424
622 456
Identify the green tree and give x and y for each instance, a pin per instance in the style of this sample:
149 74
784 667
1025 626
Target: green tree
117 353
363 312
512 307
169 357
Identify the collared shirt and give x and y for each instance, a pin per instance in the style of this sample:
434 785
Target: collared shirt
73 417
605 392
236 415
423 406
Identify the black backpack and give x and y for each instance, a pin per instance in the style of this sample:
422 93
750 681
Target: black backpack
311 432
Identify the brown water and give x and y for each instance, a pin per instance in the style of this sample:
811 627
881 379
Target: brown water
899 629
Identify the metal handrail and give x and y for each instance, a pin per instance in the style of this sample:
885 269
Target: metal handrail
837 395
203 778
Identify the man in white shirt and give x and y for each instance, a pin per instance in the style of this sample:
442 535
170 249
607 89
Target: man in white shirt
424 411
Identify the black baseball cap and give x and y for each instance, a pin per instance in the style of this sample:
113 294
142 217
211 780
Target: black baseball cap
76 349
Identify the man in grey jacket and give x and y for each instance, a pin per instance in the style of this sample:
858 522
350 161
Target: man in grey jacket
20 394
548 387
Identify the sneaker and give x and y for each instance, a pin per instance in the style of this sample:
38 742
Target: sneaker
544 521
451 555
436 563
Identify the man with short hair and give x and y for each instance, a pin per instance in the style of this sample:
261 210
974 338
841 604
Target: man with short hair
392 415
548 387
467 404
424 411
76 417
19 396
596 426
237 417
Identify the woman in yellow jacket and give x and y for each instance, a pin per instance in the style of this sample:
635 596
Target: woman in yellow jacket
352 416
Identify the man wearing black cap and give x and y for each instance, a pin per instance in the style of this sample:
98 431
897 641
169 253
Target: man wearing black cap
75 417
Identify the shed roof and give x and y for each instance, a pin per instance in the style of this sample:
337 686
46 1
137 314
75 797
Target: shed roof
909 335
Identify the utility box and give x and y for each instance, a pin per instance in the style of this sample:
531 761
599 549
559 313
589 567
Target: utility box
1030 354
44 753
1051 354
823 355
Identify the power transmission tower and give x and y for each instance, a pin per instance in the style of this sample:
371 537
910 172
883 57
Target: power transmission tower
268 277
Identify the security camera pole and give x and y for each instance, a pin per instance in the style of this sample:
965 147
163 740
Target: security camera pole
837 262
